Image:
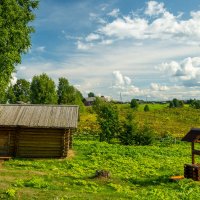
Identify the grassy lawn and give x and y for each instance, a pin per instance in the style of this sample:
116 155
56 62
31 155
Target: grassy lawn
137 172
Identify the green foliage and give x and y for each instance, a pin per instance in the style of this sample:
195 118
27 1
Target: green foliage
36 182
43 90
10 96
195 104
145 135
137 172
107 118
11 192
91 94
15 16
146 108
134 104
19 92
67 94
128 131
175 103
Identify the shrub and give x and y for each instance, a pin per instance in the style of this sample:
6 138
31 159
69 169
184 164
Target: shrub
128 131
108 119
175 103
145 136
134 104
146 108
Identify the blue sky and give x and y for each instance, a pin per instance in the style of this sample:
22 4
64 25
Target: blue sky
141 49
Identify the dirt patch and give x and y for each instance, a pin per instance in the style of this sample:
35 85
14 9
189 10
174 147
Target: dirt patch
70 154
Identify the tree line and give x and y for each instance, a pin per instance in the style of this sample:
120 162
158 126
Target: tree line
42 90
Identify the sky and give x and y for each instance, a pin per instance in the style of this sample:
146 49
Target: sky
118 48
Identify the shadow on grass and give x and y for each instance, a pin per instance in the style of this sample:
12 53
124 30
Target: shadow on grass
160 180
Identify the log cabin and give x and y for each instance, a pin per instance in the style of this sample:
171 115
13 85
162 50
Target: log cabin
37 131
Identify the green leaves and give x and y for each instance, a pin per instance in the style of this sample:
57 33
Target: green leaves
15 31
107 118
43 90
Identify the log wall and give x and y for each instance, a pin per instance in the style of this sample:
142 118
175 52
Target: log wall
34 142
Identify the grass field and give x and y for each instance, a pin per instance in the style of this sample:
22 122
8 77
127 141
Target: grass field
137 172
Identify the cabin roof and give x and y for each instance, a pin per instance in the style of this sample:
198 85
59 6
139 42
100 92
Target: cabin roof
35 116
192 136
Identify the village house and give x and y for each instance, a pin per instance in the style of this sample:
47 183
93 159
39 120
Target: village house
37 131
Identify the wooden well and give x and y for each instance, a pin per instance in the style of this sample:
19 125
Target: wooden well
192 170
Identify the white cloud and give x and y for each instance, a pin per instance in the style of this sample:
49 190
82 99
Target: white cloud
114 12
154 8
22 68
158 87
106 42
13 79
83 46
163 26
125 28
40 49
186 71
120 80
92 37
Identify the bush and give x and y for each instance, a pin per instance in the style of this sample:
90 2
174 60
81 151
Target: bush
128 131
145 136
175 103
146 108
134 104
108 119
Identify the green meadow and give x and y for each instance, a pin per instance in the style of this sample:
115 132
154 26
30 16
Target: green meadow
137 172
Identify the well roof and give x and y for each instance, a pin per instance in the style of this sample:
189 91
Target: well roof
192 136
35 116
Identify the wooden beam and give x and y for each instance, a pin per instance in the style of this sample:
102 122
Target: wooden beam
193 161
196 152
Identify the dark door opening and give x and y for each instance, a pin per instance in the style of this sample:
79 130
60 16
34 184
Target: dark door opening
4 144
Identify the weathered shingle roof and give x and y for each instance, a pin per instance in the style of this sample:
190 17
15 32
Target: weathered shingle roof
192 136
44 116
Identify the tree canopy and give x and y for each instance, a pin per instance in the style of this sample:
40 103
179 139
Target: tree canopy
15 34
91 94
107 118
20 91
43 90
68 94
134 104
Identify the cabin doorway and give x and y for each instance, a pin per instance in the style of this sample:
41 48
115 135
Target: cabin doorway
4 144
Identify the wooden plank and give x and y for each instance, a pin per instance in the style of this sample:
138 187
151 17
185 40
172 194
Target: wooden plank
196 152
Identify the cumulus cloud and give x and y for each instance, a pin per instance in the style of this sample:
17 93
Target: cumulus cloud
158 87
164 25
154 8
114 12
125 28
120 80
124 85
186 71
83 46
92 37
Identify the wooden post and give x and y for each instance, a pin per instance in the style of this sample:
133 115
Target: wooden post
16 141
193 161
70 139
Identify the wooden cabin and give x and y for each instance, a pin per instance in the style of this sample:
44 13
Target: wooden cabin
37 131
